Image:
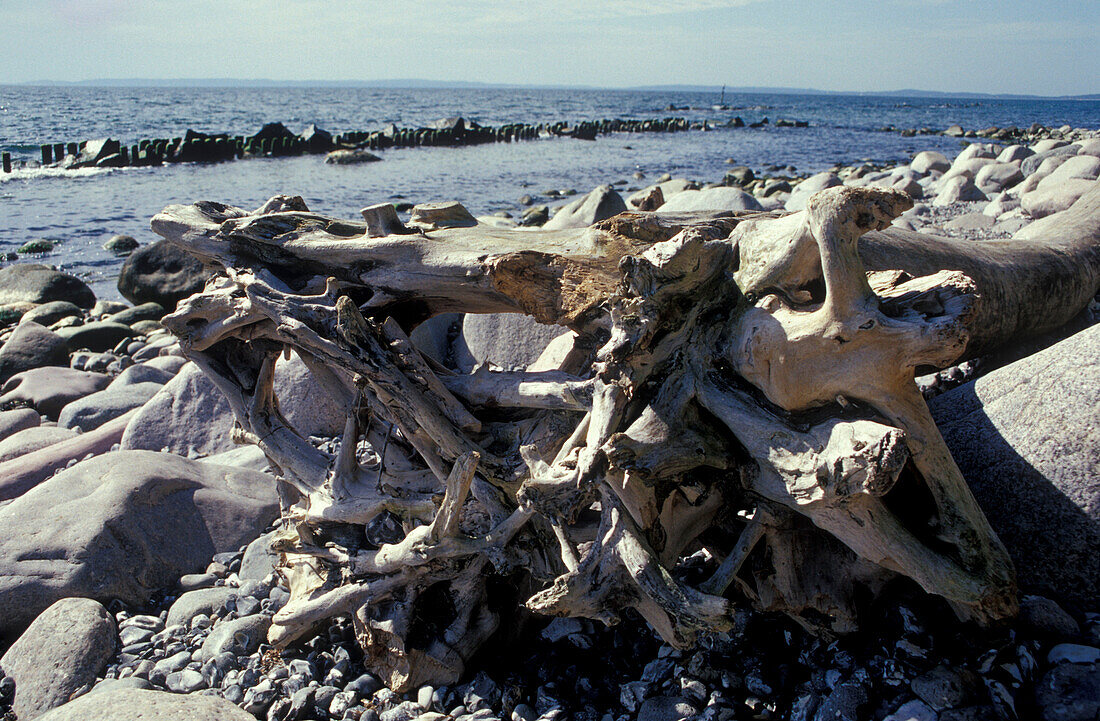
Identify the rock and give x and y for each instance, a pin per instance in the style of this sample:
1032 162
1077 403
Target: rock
11 422
32 439
665 708
843 703
970 221
1069 692
1085 167
141 373
40 245
121 526
59 655
910 187
508 340
167 363
31 346
192 603
1036 475
49 313
599 204
35 283
1073 653
351 157
995 177
114 684
273 131
958 188
189 415
433 216
1046 617
95 409
107 307
943 687
97 336
317 140
145 311
1032 163
246 456
160 273
1048 144
913 711
48 390
1015 153
1001 204
954 131
185 681
928 161
259 560
121 244
130 704
808 187
721 198
1055 198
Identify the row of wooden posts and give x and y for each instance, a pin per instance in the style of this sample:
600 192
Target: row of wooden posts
217 148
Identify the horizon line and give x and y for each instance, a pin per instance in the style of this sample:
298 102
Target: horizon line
419 83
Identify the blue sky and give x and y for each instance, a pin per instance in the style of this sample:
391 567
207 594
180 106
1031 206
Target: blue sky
1048 48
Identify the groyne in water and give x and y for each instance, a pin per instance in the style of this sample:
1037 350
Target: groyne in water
275 140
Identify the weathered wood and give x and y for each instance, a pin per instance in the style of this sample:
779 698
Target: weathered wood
755 379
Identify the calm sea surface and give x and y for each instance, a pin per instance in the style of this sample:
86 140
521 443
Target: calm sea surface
84 208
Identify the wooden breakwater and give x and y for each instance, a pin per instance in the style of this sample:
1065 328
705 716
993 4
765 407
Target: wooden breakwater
275 140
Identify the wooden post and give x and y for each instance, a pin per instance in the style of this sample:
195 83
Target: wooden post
47 154
72 149
7 161
58 150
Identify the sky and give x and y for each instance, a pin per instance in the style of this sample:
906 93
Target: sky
1002 46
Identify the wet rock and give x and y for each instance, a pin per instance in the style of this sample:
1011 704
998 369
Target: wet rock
35 283
121 244
59 655
31 346
351 157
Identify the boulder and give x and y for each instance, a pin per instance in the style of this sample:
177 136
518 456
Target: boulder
1015 153
48 390
1052 199
351 157
808 187
121 244
49 313
1027 438
97 152
241 636
160 273
316 139
271 131
145 311
995 177
509 340
599 204
433 216
31 346
259 560
30 440
1088 147
142 373
725 198
97 336
958 188
59 655
1031 163
122 526
203 600
970 221
11 422
1069 692
435 337
36 283
1084 167
131 704
927 161
1048 144
95 409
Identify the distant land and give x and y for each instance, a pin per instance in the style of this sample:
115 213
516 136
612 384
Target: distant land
417 84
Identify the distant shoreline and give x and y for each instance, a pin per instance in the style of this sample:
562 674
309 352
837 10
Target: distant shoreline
417 84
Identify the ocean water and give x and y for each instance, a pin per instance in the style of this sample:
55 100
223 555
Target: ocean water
81 209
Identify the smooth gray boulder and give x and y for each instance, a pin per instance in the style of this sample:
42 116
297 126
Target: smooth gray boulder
32 439
160 273
48 390
59 655
600 204
13 421
97 336
927 161
1027 438
32 346
259 560
123 525
710 199
508 340
37 283
241 636
49 313
145 311
813 184
129 704
435 337
95 409
142 373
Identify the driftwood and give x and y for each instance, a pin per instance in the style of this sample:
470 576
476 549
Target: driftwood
741 388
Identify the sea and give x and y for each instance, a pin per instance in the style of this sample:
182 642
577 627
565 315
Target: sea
81 209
